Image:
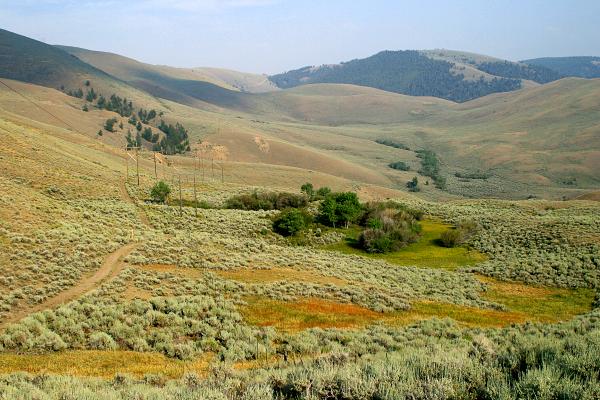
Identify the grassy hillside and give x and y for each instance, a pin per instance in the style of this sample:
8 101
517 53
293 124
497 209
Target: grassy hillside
28 60
169 81
583 67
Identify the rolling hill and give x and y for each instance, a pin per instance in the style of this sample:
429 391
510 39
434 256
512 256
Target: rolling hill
137 72
446 74
583 67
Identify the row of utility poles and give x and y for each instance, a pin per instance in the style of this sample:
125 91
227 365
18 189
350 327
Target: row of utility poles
162 160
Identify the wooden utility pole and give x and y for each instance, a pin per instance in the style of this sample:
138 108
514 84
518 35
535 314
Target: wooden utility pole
155 173
222 175
195 196
213 165
137 163
202 164
127 160
180 199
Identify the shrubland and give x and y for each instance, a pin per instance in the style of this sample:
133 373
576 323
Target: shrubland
180 297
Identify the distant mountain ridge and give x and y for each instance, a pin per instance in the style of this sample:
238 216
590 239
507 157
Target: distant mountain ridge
446 74
581 66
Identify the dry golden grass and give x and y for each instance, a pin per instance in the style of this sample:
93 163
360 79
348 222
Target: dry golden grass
133 292
174 269
279 274
102 364
539 303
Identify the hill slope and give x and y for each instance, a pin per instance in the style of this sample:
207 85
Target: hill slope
31 61
446 74
134 71
583 67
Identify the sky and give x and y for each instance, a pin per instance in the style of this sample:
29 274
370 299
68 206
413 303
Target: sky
271 36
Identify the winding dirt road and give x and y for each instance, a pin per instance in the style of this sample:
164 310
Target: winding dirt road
113 264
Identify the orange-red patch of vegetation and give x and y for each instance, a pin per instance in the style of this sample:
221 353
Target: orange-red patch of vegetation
101 364
306 313
279 274
523 303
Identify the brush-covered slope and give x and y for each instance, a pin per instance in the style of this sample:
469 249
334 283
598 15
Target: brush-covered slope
547 135
582 67
446 74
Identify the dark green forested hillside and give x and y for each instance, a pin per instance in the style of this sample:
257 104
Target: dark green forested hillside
407 72
507 69
583 67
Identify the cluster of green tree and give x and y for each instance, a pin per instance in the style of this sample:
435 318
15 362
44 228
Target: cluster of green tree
291 221
407 72
413 185
388 227
91 95
513 70
117 104
109 124
460 234
582 66
392 143
146 116
399 165
473 175
340 208
266 201
309 190
430 166
175 140
75 93
149 136
133 142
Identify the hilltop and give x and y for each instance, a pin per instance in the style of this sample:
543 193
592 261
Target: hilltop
451 75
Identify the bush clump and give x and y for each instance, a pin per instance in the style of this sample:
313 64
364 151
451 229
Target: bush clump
389 227
340 208
291 221
399 165
456 236
266 201
160 192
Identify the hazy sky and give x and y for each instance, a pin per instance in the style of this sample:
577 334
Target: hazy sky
270 36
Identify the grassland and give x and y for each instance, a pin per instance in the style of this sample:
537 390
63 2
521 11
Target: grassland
205 294
427 252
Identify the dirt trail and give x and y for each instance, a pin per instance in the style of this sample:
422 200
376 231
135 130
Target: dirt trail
127 197
113 264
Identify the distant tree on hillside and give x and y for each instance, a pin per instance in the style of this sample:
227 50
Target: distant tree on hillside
109 125
413 185
308 189
160 192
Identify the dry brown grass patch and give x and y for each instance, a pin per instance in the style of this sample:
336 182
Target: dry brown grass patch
101 364
174 269
279 274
